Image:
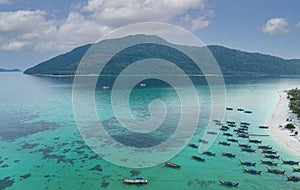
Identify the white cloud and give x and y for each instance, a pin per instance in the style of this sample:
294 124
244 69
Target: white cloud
35 29
5 2
276 26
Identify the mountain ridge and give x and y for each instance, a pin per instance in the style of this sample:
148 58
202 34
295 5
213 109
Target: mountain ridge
231 61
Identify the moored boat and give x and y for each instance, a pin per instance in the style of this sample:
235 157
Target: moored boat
212 132
135 181
263 127
203 141
172 165
224 143
227 134
229 109
293 178
209 153
252 171
240 109
273 156
254 141
232 140
198 158
268 151
296 169
269 162
245 145
291 162
244 123
275 171
229 183
228 154
247 111
264 146
193 145
243 135
247 163
248 149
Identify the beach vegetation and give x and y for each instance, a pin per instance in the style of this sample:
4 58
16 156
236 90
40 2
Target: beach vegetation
294 97
290 126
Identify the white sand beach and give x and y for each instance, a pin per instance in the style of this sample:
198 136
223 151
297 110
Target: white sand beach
279 117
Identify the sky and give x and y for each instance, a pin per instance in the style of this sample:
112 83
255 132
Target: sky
32 31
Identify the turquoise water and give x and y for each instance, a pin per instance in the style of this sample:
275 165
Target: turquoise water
41 147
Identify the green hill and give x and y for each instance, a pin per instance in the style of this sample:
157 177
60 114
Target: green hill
231 61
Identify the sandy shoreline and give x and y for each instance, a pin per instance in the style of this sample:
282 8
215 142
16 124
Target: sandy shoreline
278 117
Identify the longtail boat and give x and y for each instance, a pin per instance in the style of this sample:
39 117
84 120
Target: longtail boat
229 183
263 127
248 111
275 171
293 178
264 146
203 141
240 109
269 162
229 109
209 153
268 151
244 123
273 156
228 154
296 169
198 158
248 149
224 143
193 145
245 145
212 132
252 171
223 129
254 141
248 163
172 165
227 134
243 135
135 181
232 140
291 162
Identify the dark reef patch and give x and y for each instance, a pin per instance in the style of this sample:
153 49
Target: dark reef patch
104 184
97 168
134 173
26 176
4 166
6 182
29 146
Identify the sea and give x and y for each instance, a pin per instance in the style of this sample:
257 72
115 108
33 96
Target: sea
41 147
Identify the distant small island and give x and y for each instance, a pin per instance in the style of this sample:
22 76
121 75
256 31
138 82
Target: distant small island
10 70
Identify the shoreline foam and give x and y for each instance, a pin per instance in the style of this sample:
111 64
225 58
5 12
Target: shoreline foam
279 117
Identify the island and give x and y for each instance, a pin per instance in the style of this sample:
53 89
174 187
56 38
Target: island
231 61
10 70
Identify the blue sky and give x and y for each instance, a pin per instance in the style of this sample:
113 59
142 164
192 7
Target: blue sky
32 31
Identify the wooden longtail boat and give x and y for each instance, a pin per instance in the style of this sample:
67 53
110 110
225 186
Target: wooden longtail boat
248 163
293 178
228 154
245 145
291 162
224 143
203 141
198 158
212 132
273 156
248 149
193 145
268 151
296 169
275 171
269 162
232 140
229 183
254 141
172 165
263 127
252 171
264 146
227 134
209 153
